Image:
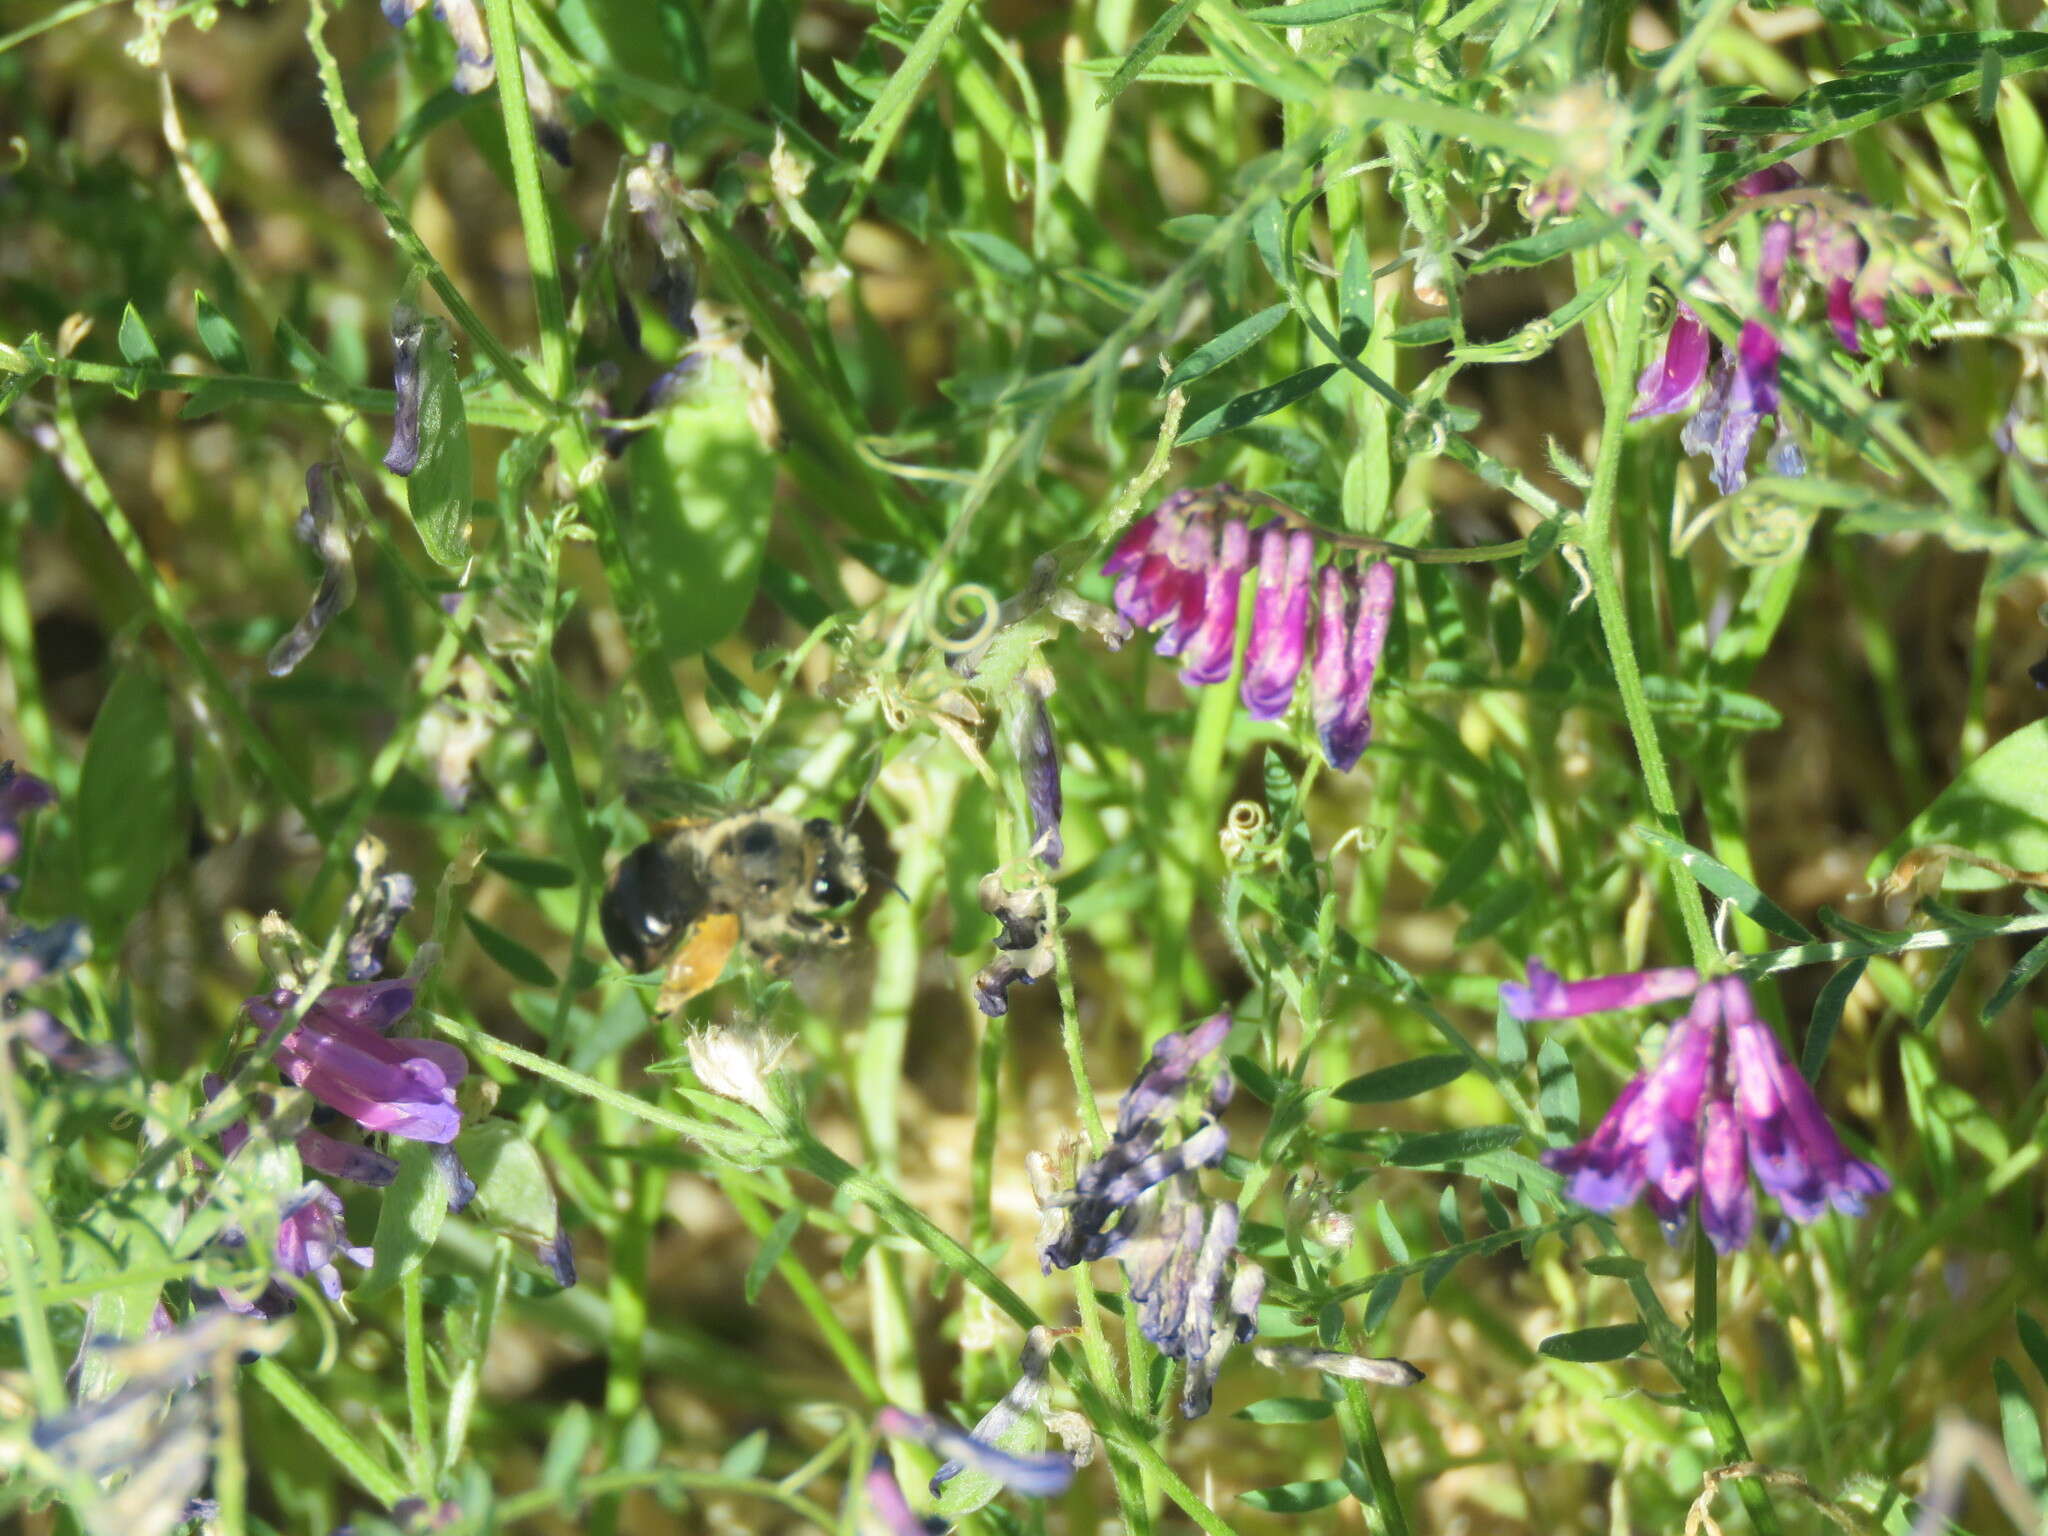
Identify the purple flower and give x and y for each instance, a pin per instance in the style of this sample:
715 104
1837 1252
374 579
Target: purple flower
1669 384
1273 656
317 1150
1213 646
32 955
1752 395
311 1235
340 1055
1175 1266
1037 1476
886 1501
1723 1101
390 898
1180 570
20 793
1351 630
1548 996
1106 1188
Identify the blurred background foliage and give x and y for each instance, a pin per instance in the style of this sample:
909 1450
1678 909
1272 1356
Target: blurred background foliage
958 283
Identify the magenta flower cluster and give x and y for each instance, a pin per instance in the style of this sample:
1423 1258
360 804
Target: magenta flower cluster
1723 1101
1820 239
1180 570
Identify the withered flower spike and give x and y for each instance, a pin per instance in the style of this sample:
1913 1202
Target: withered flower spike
1381 1370
1039 753
323 528
408 329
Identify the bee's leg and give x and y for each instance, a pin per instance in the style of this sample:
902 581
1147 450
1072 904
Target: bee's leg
815 930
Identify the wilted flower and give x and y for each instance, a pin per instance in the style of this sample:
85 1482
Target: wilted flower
1038 753
1023 946
1020 1411
408 333
1037 1476
474 67
147 1448
340 1053
323 528
1180 568
1381 1370
1106 1187
311 1235
1723 1100
1175 1261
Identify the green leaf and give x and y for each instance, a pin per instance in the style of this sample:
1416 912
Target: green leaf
1297 1498
218 335
1253 404
2031 964
567 1446
703 497
1827 1017
1312 13
773 1246
997 254
127 811
510 954
513 1193
2022 1427
1997 808
1592 1344
1217 351
208 396
1725 883
1433 1148
137 345
2034 1340
1403 1080
524 869
408 1219
1557 1093
1946 51
437 491
768 22
1286 1410
1146 49
1380 1301
900 94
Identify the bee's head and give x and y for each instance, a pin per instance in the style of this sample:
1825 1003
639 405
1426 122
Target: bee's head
836 867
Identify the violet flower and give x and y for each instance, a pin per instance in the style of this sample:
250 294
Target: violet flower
311 1235
887 1504
1723 1101
1549 996
1180 570
1669 384
1278 645
340 1054
20 793
1347 657
1037 1476
1038 752
317 1150
1026 1399
1175 1265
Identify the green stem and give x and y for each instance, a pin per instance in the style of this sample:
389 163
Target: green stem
810 1296
1597 538
17 1194
418 1411
541 260
356 160
333 1436
462 1393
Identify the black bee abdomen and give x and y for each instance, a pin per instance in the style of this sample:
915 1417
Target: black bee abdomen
644 908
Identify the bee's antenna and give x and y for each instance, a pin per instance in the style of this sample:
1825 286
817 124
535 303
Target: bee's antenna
895 887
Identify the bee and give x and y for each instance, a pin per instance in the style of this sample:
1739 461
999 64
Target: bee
696 889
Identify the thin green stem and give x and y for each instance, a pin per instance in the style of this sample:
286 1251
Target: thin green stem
413 1298
810 1296
1597 537
57 18
542 264
333 1437
462 1392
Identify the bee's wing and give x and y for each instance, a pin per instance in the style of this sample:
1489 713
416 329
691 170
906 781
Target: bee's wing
699 960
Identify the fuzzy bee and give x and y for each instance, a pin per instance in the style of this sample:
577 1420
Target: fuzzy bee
695 889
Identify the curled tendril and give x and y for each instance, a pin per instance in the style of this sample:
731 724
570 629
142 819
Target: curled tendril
955 611
1763 529
1243 827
